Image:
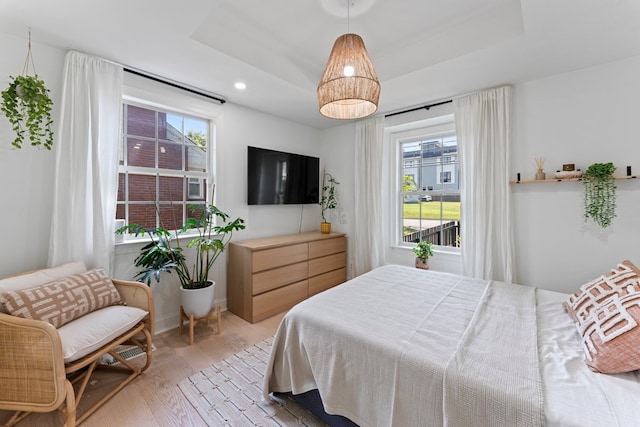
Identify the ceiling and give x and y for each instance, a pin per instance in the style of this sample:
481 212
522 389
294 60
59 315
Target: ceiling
423 50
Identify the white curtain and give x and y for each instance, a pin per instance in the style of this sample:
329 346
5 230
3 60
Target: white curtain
368 247
483 132
82 223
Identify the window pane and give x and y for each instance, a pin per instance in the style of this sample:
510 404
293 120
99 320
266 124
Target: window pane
144 215
430 191
196 158
196 189
142 188
141 152
120 211
141 122
170 156
170 127
171 216
121 183
195 210
171 188
162 166
196 131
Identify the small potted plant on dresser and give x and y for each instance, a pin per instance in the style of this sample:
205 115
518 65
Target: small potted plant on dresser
423 251
328 200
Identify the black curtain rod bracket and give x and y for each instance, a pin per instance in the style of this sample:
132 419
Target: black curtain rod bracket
424 107
172 84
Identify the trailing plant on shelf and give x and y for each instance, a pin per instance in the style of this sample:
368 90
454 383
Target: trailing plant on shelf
165 254
599 193
27 105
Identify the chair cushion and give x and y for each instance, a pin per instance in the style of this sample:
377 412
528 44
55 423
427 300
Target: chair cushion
63 300
40 277
92 331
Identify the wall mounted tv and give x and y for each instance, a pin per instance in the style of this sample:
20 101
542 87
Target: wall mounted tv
279 178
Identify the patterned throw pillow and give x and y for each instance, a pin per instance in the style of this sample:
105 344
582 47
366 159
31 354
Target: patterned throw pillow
607 313
622 280
611 335
63 300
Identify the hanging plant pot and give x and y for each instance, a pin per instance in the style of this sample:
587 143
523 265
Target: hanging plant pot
27 105
599 194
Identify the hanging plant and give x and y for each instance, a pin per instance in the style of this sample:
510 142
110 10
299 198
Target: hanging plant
27 105
599 193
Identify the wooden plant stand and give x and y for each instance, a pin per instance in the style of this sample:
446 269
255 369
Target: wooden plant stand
213 314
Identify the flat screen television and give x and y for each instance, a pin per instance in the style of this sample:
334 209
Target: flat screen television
279 178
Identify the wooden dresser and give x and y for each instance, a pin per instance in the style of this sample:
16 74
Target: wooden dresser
269 275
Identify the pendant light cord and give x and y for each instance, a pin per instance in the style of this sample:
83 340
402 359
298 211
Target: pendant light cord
348 14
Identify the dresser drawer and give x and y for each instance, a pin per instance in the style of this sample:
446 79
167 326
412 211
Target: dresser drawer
269 258
277 277
278 300
324 247
325 281
327 263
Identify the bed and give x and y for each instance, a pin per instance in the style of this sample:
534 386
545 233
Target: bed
400 346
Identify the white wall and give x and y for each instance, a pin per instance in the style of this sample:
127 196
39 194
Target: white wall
338 157
581 117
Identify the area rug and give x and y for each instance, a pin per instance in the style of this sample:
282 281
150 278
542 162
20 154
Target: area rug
229 393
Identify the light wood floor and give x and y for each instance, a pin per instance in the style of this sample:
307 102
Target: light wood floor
154 399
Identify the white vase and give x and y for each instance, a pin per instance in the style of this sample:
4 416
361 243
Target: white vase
197 301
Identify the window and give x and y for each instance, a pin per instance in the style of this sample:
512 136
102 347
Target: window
429 194
163 166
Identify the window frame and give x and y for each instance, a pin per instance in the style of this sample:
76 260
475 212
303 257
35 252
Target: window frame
146 93
441 127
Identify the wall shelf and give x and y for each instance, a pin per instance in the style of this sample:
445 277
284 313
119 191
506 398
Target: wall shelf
541 181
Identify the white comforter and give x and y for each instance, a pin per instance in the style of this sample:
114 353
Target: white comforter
404 347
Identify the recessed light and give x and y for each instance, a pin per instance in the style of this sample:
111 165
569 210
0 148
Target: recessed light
240 85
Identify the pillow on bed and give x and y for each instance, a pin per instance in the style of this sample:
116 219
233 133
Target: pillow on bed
611 335
623 280
63 300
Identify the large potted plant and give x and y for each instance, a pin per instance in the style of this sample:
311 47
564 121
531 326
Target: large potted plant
328 200
599 193
423 251
165 253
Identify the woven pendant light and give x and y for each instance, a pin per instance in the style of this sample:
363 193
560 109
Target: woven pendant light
349 88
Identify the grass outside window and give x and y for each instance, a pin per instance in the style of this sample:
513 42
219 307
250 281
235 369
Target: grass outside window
432 210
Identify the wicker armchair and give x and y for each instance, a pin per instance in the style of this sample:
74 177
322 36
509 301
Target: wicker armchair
34 376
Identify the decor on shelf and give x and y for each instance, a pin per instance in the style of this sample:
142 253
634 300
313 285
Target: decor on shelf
540 175
565 174
165 254
27 105
423 251
349 88
599 193
328 200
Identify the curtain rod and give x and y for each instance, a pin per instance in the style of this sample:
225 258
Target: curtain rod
172 84
424 107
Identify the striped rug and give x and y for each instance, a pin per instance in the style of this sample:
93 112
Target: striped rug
229 393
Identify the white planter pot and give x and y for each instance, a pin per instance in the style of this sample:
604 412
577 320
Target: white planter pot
197 301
